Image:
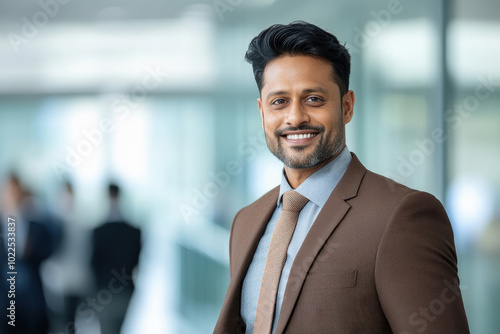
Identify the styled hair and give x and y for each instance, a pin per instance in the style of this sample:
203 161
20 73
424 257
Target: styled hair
299 38
113 190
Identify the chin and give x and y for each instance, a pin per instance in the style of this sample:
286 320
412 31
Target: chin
301 164
298 166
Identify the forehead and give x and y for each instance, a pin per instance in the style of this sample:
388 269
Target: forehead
288 72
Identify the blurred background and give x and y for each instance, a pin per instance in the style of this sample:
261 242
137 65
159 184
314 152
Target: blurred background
155 96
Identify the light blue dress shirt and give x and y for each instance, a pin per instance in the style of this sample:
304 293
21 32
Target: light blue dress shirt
317 188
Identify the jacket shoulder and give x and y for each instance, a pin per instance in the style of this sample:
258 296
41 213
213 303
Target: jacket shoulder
270 197
388 189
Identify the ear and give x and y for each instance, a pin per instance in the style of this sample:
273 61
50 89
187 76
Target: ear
348 106
259 102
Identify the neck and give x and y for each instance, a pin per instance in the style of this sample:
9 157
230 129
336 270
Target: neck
295 176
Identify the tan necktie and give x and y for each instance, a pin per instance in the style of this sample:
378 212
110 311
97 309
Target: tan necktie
293 202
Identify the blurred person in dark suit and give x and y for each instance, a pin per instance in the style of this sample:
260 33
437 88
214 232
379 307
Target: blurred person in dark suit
115 253
33 244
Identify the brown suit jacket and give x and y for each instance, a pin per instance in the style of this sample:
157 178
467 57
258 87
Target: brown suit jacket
380 258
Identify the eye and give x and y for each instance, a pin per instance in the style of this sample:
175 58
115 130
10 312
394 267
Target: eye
315 99
278 101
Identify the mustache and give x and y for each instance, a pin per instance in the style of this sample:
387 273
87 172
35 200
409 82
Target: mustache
318 129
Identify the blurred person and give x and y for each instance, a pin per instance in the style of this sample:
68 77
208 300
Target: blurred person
33 244
33 208
335 248
67 273
115 253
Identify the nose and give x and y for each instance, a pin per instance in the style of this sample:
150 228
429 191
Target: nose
297 115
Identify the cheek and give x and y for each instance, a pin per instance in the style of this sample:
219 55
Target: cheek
326 121
271 121
331 119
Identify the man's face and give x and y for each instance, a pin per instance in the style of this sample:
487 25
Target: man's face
303 114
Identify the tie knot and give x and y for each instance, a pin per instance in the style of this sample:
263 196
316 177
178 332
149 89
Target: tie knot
293 201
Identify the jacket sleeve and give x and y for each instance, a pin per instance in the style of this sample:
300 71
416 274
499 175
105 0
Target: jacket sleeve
230 320
416 272
231 251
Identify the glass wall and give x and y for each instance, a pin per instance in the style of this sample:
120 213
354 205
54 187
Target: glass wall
473 184
159 98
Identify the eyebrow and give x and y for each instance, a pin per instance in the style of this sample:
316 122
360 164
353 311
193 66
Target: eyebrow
307 90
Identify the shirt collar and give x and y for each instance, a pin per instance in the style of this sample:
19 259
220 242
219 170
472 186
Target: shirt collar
318 187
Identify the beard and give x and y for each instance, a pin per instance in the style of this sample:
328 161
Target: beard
328 146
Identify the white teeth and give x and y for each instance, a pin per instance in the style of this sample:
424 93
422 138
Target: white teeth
301 136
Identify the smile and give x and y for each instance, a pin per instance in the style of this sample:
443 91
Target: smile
301 136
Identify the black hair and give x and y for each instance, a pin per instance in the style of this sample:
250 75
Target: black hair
299 38
113 190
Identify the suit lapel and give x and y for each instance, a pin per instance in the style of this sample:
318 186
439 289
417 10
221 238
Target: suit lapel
332 213
250 224
256 218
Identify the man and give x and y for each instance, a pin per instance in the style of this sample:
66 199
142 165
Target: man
29 243
335 248
116 247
